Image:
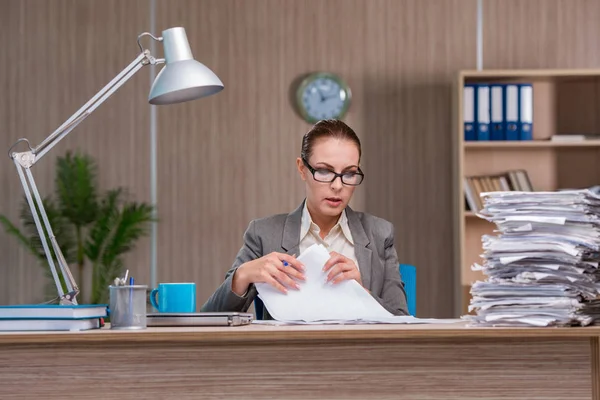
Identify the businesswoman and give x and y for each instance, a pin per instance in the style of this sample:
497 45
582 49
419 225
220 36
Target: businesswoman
361 245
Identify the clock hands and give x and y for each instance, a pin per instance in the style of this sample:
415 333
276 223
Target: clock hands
329 97
325 98
320 94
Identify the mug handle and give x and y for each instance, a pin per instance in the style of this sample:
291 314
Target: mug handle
153 298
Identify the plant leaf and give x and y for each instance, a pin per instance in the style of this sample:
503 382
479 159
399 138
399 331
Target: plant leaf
132 225
35 248
61 228
108 214
76 180
103 276
115 232
101 228
11 229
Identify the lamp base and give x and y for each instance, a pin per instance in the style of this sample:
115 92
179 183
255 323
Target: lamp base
69 299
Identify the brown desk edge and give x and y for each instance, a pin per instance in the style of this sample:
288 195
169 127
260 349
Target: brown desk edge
469 363
268 333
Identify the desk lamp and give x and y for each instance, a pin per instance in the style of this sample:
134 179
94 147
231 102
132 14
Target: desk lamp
181 79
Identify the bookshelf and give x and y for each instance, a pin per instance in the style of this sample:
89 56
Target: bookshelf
529 144
564 102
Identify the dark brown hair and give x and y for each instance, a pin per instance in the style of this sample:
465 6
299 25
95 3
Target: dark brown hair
328 128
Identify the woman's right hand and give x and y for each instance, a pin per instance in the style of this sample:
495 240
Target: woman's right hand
269 269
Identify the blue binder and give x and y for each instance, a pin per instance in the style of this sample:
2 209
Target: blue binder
525 112
497 112
469 112
511 105
482 116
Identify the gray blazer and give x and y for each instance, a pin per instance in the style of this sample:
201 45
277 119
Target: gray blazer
373 246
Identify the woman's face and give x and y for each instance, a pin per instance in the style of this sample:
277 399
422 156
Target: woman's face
338 155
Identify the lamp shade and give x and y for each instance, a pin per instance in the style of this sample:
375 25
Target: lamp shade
182 78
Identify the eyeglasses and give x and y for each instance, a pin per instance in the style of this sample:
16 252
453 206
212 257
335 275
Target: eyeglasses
353 178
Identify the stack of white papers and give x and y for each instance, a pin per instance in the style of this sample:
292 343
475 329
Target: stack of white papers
321 302
542 266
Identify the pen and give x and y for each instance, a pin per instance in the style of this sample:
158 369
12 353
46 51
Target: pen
131 299
285 263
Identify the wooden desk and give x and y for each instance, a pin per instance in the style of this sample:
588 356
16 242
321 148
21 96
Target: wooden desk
304 362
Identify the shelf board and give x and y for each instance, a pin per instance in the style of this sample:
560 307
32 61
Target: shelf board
530 73
471 216
527 144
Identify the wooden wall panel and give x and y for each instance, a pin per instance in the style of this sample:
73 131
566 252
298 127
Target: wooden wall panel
407 113
541 34
227 159
56 55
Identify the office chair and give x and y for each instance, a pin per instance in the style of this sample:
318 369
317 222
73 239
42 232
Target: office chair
408 274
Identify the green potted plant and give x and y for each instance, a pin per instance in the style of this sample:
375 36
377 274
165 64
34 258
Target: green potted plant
94 230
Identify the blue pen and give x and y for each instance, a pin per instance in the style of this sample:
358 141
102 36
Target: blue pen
131 299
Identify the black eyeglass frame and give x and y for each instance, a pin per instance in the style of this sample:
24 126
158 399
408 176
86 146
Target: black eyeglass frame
336 175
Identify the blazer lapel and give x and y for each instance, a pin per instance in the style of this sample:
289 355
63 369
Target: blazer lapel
361 241
290 242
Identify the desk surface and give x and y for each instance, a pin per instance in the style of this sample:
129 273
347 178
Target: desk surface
267 333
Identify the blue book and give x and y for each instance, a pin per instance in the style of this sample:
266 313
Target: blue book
525 112
53 311
482 116
497 112
511 104
469 112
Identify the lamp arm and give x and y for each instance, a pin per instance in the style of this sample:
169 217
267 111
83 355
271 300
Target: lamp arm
90 106
35 204
25 160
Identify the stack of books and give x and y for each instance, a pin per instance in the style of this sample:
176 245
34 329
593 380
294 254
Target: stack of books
542 268
52 317
474 186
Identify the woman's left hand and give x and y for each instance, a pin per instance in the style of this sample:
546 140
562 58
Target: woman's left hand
341 269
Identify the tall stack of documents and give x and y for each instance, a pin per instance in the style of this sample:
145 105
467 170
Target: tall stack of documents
542 265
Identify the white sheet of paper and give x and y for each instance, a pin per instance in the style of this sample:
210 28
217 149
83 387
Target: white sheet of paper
548 220
317 300
321 302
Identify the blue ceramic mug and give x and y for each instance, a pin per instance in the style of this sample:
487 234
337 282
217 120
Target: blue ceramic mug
174 297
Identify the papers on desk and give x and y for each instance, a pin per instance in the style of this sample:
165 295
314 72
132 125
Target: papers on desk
321 302
391 320
542 266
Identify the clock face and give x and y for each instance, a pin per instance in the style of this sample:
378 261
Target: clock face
323 96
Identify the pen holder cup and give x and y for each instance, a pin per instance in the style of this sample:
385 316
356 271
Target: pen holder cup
128 307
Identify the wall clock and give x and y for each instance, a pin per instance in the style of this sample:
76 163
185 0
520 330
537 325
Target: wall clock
322 95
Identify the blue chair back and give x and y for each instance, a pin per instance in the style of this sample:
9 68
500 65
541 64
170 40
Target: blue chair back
408 273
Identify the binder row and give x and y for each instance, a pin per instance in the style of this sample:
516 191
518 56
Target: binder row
498 111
